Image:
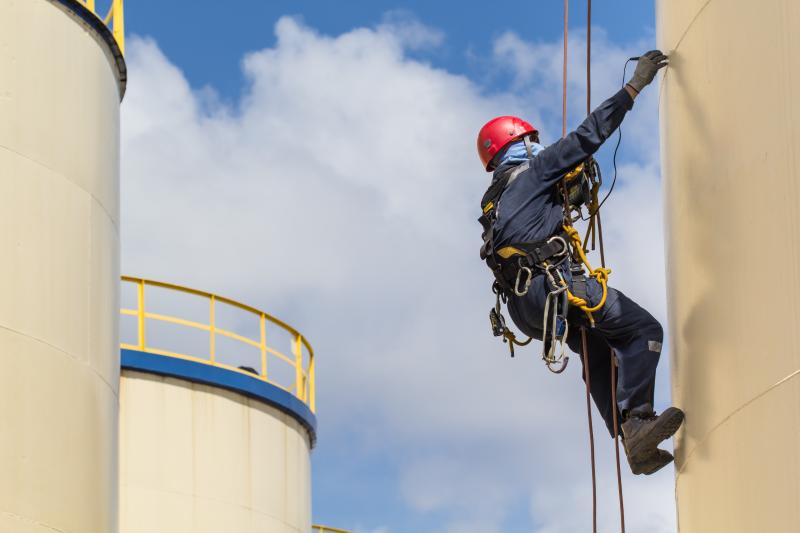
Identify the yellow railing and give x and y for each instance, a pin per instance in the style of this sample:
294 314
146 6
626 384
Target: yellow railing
114 19
326 529
303 374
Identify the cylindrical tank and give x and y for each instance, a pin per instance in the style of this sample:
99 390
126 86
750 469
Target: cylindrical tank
199 458
730 116
216 420
61 80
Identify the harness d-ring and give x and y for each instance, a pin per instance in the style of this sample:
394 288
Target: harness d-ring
564 246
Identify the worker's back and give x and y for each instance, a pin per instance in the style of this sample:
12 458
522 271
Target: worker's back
528 209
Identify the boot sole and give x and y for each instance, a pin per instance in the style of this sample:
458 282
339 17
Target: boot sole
664 456
668 423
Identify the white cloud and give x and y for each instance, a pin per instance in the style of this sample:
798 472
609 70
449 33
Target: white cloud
341 195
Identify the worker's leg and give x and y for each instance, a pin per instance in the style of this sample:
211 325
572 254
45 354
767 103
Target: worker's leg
599 361
636 337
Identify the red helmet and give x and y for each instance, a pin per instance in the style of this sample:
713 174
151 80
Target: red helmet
497 133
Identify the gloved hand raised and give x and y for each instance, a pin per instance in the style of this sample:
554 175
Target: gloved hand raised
646 69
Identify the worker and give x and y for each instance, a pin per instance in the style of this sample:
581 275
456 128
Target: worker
528 213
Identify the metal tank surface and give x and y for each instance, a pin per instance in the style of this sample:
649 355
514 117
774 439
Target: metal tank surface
61 80
730 134
216 415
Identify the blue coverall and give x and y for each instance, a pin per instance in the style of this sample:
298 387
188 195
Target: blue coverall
530 209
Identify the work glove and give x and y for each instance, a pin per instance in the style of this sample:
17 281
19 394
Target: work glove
646 69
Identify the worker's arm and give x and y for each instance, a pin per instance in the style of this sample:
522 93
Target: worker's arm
564 155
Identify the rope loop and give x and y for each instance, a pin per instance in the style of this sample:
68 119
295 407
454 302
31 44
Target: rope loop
600 274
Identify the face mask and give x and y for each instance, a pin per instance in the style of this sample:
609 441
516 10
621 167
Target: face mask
516 153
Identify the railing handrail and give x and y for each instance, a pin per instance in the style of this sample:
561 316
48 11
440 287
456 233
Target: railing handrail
326 529
114 19
304 385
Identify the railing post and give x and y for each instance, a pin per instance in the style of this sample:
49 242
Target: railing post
140 313
312 397
119 23
212 329
299 386
263 326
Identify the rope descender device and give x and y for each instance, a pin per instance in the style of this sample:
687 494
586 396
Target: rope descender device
498 322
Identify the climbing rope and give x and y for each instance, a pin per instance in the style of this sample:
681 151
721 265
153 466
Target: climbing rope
616 440
594 229
571 232
564 72
587 380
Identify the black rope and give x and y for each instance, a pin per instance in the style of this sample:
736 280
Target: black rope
619 141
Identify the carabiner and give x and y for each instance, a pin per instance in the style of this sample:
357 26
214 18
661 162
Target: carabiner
558 369
528 281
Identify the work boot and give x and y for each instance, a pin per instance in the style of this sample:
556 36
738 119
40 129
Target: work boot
651 464
643 432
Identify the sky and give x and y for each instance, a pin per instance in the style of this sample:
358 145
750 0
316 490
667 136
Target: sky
317 160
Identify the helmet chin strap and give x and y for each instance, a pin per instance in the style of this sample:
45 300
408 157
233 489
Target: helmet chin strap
528 147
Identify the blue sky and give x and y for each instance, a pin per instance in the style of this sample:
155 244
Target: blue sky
207 40
249 132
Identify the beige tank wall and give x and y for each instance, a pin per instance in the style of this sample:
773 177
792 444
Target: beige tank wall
59 274
200 459
730 133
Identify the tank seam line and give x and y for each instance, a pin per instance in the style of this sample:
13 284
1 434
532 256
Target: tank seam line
208 498
691 23
54 171
28 520
677 45
734 412
62 351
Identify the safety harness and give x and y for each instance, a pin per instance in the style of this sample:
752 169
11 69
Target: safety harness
514 266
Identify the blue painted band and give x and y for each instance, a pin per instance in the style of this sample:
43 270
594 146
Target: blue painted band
226 379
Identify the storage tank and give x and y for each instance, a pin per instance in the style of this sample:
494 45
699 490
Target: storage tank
730 115
216 415
62 77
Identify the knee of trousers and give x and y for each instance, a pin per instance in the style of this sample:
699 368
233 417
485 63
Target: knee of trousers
653 334
656 331
649 327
